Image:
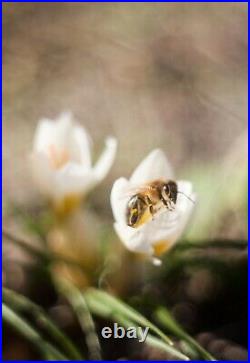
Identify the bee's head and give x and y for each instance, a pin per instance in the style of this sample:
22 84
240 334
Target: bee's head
169 191
135 210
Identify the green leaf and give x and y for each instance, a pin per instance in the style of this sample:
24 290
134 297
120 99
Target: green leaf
27 247
165 318
156 342
22 304
107 305
78 303
42 254
28 332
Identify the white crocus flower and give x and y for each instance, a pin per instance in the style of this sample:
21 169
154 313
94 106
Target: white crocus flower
61 159
160 233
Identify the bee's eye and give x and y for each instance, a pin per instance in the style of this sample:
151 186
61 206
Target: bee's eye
165 191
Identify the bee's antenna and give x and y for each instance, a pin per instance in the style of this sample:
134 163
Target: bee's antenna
191 200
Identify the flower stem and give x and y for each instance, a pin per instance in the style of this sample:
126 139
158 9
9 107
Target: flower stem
102 302
78 303
155 342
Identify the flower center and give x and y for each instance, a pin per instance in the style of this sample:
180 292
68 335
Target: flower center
160 247
58 157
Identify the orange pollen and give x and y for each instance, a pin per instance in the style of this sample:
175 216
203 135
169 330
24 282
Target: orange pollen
160 247
57 157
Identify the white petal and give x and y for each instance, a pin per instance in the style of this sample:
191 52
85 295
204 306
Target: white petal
185 187
119 199
142 238
80 146
166 226
42 173
161 227
154 166
106 160
64 125
51 132
179 230
44 135
73 179
172 232
184 198
133 238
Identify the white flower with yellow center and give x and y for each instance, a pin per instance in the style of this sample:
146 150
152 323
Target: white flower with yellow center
61 159
159 232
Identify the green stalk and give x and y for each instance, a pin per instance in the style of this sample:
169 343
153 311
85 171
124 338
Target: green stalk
43 254
22 304
165 318
28 332
78 303
27 247
155 342
107 305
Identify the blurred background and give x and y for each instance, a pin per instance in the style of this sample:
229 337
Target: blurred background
169 75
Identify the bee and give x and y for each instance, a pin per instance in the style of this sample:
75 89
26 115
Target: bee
149 199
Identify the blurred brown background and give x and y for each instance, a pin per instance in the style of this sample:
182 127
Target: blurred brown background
170 75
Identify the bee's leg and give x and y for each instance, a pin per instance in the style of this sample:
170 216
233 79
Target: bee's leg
171 206
151 207
168 204
165 202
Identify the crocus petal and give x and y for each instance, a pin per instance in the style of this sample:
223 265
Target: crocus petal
50 132
166 226
184 198
185 187
72 179
119 198
63 127
80 146
42 172
176 231
141 239
61 160
133 239
43 135
160 233
106 160
154 166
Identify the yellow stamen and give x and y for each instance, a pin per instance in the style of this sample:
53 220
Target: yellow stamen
65 206
161 247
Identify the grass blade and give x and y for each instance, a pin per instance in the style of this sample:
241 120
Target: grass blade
27 247
43 254
22 304
107 305
28 332
78 303
164 318
156 342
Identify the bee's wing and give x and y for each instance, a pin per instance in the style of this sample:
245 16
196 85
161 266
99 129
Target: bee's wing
136 190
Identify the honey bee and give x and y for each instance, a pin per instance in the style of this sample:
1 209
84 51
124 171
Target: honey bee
149 199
